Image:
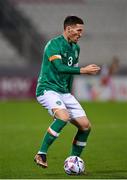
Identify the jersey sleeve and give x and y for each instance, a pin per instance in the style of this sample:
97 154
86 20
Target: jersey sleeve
76 65
62 68
53 50
54 56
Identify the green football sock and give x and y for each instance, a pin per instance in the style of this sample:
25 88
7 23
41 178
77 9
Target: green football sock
51 134
79 142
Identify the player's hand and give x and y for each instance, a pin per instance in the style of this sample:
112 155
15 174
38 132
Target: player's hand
90 69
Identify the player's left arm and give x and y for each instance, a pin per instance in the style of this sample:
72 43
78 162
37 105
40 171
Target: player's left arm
54 56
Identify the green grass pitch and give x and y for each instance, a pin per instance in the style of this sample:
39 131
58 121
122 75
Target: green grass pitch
23 123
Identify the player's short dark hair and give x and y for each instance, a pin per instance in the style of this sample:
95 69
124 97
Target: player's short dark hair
72 20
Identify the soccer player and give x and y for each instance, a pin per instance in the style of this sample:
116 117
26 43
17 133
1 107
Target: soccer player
53 91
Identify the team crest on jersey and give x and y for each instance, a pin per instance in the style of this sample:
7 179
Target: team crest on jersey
58 102
76 54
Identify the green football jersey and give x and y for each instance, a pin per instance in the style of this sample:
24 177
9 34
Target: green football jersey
59 63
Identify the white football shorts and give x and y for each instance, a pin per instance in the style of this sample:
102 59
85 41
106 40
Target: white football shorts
52 99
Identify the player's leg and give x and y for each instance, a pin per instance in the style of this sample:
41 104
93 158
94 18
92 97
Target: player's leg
61 116
51 135
80 139
80 120
53 131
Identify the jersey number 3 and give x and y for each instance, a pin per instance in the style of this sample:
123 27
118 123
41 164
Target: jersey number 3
70 61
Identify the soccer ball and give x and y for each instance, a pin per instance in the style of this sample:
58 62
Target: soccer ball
74 165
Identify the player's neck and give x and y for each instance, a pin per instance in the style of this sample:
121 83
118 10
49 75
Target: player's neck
66 37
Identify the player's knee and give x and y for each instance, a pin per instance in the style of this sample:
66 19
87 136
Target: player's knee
86 126
62 114
65 117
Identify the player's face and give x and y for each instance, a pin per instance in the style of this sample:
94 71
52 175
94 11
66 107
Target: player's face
75 32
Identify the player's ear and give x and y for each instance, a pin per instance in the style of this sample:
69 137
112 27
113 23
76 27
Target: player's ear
68 29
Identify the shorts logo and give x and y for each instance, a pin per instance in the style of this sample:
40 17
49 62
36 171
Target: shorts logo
58 102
